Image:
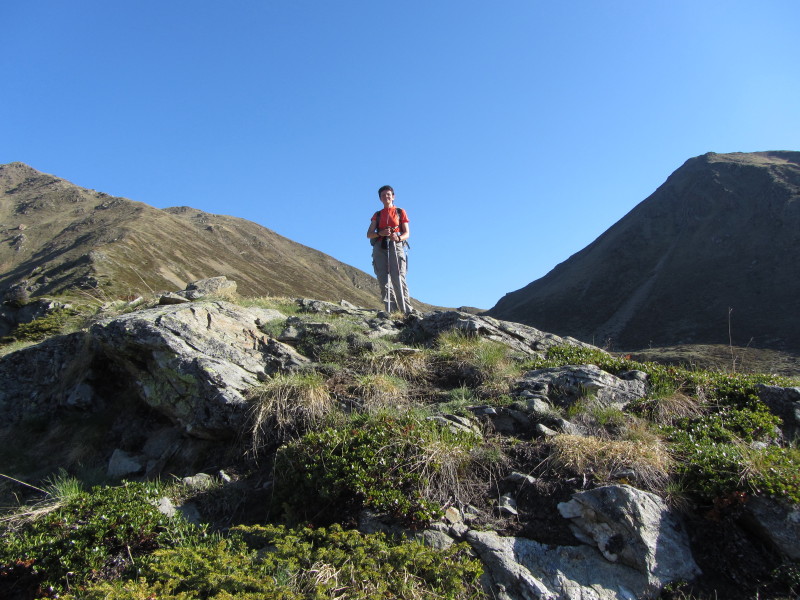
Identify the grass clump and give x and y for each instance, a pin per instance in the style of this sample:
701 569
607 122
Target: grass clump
601 458
379 391
287 306
286 405
457 402
411 364
399 465
472 360
667 410
63 487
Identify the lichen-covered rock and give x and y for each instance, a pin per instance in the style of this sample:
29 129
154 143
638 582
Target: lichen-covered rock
213 286
523 569
565 385
193 363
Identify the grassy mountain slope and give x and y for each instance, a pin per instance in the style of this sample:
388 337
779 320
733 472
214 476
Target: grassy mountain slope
56 236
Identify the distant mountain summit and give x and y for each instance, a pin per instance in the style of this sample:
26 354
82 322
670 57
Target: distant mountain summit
712 252
56 237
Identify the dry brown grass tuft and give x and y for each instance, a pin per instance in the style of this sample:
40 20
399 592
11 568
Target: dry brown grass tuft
667 410
378 391
453 472
602 458
287 405
411 364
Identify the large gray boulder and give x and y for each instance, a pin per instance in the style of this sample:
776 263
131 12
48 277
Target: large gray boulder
523 569
632 547
634 528
193 363
777 522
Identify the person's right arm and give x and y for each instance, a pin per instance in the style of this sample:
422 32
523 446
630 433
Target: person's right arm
371 233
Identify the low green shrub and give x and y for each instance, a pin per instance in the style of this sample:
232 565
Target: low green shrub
387 463
93 535
725 426
354 565
711 470
718 450
736 390
260 562
54 323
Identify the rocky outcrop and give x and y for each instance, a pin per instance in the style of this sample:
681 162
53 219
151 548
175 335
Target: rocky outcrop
514 335
188 369
566 385
192 363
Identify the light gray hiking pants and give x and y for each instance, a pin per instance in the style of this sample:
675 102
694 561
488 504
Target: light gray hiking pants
390 265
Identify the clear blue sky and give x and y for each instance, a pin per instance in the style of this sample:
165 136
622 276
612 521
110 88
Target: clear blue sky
514 132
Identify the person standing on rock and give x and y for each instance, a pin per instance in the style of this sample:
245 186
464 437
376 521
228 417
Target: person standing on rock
388 232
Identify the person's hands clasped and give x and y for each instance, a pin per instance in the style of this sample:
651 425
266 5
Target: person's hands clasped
387 232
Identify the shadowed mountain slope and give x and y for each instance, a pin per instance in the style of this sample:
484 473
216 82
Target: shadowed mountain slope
713 250
56 236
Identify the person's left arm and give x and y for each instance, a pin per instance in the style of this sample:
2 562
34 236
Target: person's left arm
403 234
